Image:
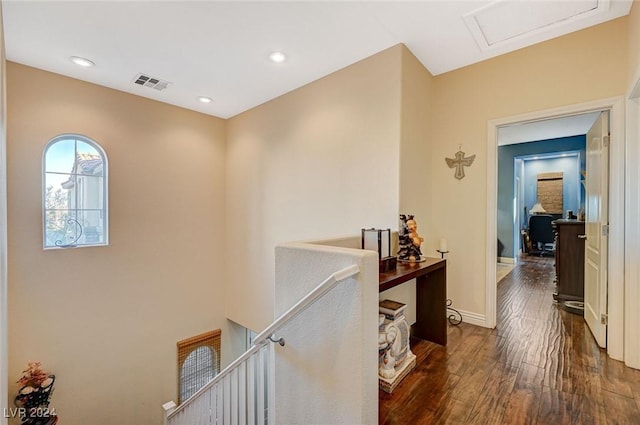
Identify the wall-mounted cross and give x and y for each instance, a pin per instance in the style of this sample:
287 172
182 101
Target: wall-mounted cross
459 162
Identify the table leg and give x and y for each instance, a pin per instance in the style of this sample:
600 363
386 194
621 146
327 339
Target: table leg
431 308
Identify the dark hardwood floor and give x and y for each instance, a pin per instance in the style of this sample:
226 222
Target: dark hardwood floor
540 365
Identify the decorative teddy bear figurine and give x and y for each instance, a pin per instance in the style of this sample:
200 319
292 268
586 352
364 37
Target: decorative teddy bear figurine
409 239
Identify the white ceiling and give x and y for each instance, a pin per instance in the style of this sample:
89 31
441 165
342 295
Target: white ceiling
220 49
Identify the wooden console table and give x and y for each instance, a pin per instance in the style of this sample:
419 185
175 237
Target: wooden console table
431 296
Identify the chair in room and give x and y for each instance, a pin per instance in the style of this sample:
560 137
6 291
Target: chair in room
541 233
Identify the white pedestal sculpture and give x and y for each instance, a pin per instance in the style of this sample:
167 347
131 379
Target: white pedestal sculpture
395 357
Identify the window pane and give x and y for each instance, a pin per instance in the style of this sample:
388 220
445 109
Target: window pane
62 228
197 370
60 156
56 193
54 227
89 160
92 227
86 148
88 192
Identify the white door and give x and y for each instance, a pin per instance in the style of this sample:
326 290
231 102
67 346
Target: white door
517 236
596 226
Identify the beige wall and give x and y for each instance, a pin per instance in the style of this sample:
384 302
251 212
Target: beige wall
416 141
586 65
4 364
105 320
320 161
634 42
415 170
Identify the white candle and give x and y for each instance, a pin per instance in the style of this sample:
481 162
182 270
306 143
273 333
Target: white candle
443 245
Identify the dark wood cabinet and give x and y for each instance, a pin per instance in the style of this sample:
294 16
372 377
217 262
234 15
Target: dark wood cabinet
570 241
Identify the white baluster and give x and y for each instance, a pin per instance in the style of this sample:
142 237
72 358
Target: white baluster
226 400
234 397
214 404
260 388
251 387
219 404
242 393
271 384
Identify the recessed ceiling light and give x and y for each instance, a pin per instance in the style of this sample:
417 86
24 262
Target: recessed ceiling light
82 61
277 57
205 99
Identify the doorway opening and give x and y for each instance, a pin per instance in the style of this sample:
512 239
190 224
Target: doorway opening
547 178
614 303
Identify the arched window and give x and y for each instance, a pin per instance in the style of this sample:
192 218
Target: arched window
198 362
74 193
198 368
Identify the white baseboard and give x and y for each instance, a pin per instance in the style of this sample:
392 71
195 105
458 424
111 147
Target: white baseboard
508 260
473 318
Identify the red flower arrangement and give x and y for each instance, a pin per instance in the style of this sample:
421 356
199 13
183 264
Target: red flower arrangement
34 394
33 375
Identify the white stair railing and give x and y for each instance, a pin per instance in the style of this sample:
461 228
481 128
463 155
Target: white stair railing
243 393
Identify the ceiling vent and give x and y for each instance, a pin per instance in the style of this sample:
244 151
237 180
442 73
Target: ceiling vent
147 81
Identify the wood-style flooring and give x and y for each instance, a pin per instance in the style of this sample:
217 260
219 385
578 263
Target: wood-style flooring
540 365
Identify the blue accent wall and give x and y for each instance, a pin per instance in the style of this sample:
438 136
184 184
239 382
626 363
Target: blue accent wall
506 181
570 166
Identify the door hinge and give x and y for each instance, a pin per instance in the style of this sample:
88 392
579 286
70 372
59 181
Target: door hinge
605 230
604 319
606 140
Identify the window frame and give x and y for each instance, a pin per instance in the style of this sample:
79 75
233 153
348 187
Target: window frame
105 189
